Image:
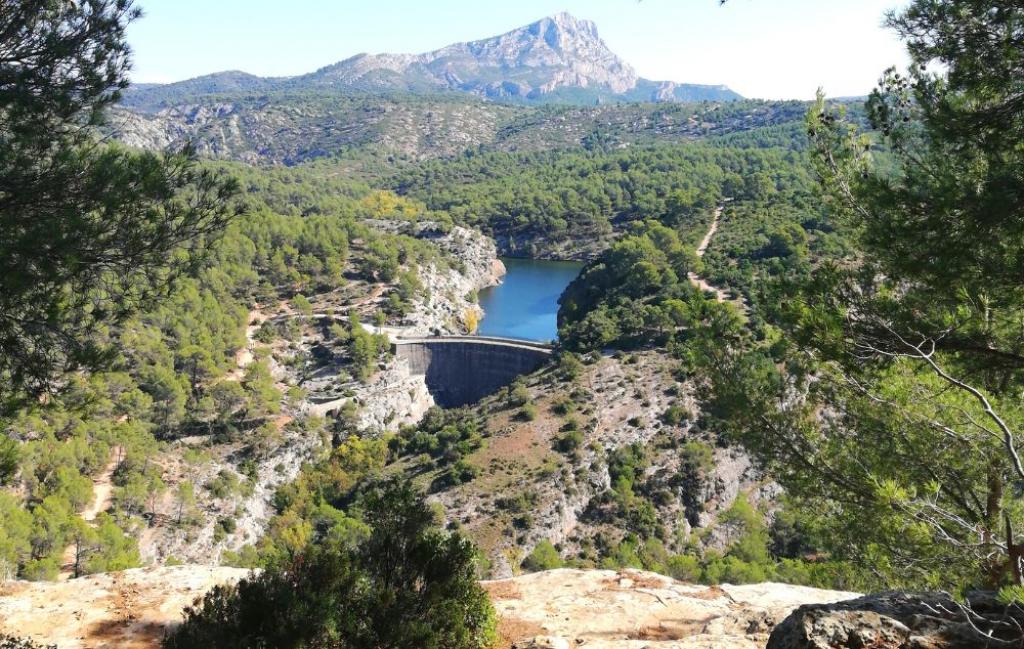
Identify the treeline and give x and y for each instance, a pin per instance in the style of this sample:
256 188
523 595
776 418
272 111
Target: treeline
580 194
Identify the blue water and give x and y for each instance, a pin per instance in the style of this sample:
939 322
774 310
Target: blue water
525 304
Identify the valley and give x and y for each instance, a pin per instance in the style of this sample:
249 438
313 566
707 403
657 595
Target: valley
502 344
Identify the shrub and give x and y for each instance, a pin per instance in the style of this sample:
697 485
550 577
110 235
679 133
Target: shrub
521 502
563 405
302 304
569 366
569 441
518 394
674 415
527 413
684 567
408 584
543 557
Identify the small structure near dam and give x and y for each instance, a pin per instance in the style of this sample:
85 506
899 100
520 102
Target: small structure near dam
463 369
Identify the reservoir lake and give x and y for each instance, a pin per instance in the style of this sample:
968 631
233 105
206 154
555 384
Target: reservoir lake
525 304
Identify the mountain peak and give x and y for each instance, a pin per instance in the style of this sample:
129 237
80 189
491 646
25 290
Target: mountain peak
559 56
560 29
566 20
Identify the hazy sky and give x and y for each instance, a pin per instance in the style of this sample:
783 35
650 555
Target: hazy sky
760 48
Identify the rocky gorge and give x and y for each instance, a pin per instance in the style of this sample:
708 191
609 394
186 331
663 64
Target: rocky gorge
390 397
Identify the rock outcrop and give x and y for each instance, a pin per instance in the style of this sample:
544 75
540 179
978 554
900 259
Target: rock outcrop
447 304
598 609
897 620
554 52
129 610
604 609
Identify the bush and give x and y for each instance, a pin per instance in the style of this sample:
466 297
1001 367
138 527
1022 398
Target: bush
527 412
302 304
521 502
518 394
543 557
674 415
563 405
569 441
406 585
733 570
684 567
462 471
569 366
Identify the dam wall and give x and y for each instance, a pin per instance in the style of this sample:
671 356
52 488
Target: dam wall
460 370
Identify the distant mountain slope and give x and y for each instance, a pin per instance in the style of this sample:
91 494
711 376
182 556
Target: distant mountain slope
291 129
558 59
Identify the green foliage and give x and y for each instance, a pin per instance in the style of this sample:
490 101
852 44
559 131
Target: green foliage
301 304
637 292
913 342
544 556
406 584
365 348
518 394
569 441
446 435
112 549
527 413
567 194
93 232
9 457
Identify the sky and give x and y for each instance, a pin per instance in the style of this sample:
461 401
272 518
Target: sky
771 49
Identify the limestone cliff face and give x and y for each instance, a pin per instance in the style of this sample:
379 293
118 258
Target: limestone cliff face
450 287
558 51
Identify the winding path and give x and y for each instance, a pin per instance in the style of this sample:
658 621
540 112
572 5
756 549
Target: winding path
720 294
102 496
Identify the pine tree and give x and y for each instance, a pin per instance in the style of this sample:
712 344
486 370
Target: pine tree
90 231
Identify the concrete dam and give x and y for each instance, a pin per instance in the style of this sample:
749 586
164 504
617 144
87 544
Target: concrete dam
460 370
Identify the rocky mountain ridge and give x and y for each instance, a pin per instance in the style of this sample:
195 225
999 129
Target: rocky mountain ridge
558 58
294 129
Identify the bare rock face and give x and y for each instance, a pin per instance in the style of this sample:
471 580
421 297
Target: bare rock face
557 609
604 609
897 620
551 53
131 609
559 54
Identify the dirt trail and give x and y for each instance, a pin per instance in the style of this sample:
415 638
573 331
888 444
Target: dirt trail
102 496
706 241
720 294
103 487
244 356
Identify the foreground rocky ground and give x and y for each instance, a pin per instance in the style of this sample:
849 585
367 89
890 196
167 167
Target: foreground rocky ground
598 609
